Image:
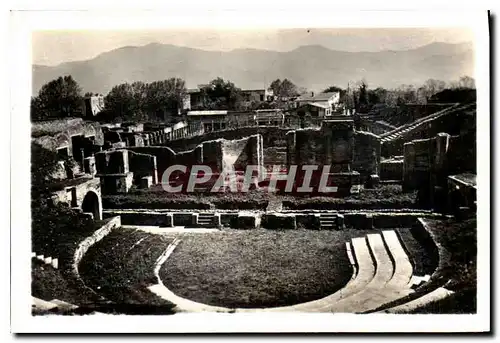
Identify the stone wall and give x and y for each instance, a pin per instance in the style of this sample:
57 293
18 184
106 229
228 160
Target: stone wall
74 193
332 144
53 135
462 153
219 154
85 245
271 135
142 165
392 169
288 220
366 154
429 162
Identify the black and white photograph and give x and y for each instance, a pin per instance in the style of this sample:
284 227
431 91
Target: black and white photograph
324 171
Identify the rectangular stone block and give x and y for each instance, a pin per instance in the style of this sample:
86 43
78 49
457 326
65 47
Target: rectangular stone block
307 221
244 222
279 221
360 221
217 220
55 263
146 182
340 222
48 260
194 219
227 219
147 219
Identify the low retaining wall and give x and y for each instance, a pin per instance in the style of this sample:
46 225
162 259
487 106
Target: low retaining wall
143 218
280 220
71 267
85 245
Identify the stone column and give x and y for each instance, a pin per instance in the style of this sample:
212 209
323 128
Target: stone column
291 148
409 167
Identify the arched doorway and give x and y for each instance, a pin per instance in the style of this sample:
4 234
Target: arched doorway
90 204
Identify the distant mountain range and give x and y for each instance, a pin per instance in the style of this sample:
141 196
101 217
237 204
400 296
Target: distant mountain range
313 66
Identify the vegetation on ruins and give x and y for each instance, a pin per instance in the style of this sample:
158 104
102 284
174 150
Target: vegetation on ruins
360 97
50 283
259 268
54 227
58 98
382 197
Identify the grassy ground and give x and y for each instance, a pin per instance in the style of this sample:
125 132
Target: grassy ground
259 268
421 259
48 283
121 267
383 196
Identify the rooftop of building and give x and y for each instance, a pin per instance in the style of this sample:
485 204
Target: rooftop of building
316 97
207 113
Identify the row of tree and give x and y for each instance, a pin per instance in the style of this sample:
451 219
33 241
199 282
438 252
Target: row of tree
360 98
163 99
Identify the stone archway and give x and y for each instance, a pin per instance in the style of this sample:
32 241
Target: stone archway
90 204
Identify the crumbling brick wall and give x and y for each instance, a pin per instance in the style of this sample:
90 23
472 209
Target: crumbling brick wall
142 165
112 162
271 135
392 169
332 144
56 134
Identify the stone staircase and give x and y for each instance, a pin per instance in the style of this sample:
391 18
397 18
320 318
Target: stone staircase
405 129
327 221
206 220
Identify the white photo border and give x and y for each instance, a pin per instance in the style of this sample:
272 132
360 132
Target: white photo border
22 24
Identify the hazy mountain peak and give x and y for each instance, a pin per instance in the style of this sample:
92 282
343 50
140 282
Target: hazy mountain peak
310 66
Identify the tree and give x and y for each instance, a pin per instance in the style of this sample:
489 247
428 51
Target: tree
58 98
334 89
221 95
284 89
120 102
431 87
467 82
139 100
163 97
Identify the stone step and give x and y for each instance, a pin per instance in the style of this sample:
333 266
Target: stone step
435 295
373 294
42 304
63 305
365 273
403 269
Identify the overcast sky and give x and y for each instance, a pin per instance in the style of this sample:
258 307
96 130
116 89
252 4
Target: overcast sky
54 47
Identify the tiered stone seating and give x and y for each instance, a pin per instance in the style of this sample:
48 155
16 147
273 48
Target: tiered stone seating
382 273
54 304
